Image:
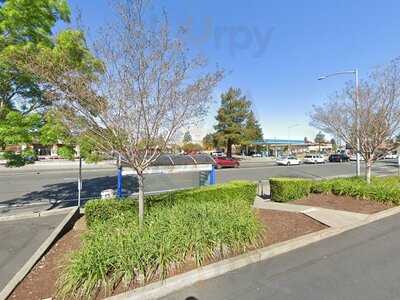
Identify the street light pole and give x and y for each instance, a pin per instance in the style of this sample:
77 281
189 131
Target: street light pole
356 104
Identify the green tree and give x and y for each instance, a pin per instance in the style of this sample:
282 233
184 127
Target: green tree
231 117
25 24
187 137
191 147
209 141
334 145
26 31
319 139
252 130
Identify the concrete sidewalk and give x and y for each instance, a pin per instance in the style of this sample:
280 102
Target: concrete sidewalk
330 217
20 239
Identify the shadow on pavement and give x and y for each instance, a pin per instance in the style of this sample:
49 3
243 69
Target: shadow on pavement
65 194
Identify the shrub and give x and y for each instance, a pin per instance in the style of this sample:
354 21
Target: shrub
192 228
66 152
19 160
321 186
103 210
289 189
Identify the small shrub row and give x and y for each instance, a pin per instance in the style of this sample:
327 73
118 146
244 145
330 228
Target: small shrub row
289 189
193 228
103 210
382 189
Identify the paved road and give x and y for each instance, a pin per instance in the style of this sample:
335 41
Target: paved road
24 187
19 241
362 264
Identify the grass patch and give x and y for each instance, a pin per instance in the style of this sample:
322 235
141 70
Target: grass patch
192 226
381 189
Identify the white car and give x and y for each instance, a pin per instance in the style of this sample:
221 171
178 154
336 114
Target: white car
353 157
287 161
314 159
390 156
257 155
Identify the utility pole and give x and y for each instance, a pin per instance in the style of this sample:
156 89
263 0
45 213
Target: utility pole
356 105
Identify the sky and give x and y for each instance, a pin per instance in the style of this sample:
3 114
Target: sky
274 50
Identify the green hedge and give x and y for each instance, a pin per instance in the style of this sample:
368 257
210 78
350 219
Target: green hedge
289 189
382 189
193 226
103 210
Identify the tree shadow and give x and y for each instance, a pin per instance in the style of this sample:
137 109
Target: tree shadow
65 194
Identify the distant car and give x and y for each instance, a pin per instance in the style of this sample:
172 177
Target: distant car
218 154
353 157
340 157
390 156
257 155
287 161
226 162
314 159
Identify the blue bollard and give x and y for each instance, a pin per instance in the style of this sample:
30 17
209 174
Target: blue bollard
212 176
119 182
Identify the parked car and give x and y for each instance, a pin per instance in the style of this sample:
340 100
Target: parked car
287 160
225 162
353 157
217 154
314 159
390 156
340 157
257 155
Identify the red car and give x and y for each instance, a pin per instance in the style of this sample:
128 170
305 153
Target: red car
225 162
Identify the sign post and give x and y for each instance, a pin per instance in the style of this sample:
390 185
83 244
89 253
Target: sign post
119 178
79 182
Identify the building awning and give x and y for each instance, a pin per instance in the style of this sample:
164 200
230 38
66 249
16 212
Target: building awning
279 142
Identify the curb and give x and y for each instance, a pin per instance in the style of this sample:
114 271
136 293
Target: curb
66 223
163 288
35 214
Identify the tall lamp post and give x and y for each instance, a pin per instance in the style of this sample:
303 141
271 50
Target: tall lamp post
288 130
356 103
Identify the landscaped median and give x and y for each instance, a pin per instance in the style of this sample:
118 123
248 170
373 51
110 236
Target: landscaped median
182 231
352 194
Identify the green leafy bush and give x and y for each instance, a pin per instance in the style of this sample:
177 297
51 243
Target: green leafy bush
382 189
66 152
192 228
20 159
103 210
321 186
289 189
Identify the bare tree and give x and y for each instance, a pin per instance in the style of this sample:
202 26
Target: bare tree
375 119
149 88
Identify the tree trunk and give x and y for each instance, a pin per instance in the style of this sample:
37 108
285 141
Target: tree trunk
141 198
368 167
229 148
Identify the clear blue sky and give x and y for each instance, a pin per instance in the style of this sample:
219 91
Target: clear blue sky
275 50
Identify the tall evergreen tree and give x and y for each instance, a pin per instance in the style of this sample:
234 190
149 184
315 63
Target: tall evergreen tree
231 117
187 137
319 139
253 131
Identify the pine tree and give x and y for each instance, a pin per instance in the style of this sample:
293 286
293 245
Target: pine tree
187 137
231 117
319 139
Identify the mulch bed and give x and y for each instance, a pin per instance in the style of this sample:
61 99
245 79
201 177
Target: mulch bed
344 203
40 283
